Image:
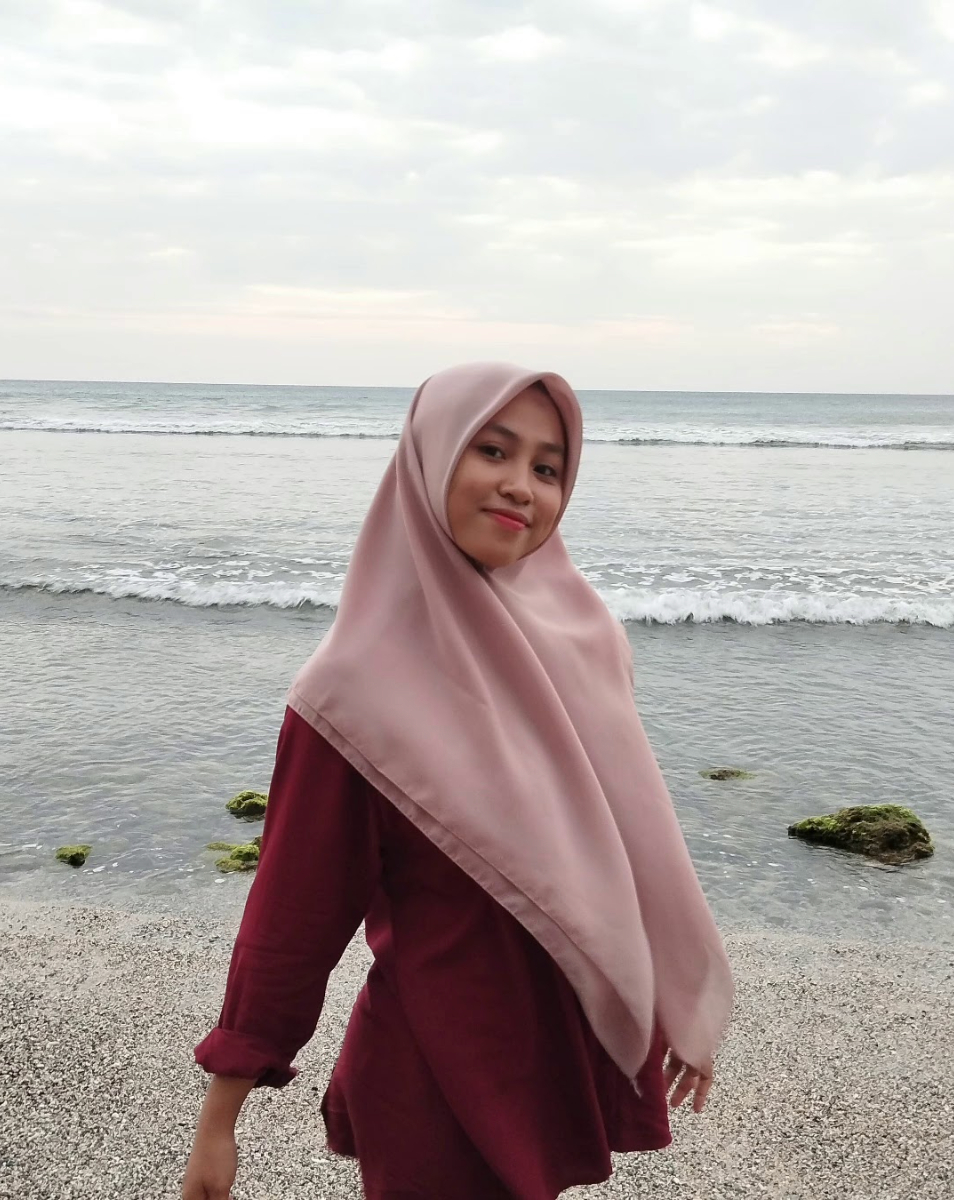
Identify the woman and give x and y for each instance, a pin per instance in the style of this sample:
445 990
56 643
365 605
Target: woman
462 767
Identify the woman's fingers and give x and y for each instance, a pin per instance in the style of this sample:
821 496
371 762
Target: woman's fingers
702 1091
691 1083
685 1085
671 1070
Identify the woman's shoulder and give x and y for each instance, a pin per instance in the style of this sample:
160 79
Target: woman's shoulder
301 743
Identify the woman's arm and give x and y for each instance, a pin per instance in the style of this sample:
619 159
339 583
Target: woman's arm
320 865
213 1163
223 1103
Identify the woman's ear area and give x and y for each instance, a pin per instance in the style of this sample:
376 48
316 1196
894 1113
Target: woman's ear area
567 406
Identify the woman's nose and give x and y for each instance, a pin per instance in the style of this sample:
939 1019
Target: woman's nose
517 487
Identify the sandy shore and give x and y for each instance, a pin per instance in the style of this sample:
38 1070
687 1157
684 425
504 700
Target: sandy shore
837 1079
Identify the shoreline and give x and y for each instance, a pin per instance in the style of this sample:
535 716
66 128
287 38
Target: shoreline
833 1080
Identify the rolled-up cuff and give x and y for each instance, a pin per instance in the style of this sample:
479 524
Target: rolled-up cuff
225 1052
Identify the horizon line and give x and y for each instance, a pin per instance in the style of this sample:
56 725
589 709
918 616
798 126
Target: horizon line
415 386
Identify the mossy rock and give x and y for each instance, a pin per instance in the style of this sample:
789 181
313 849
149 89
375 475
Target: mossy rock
723 773
243 857
229 864
249 806
246 853
74 855
887 832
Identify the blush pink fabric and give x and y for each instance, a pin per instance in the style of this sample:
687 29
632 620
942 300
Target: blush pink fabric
495 710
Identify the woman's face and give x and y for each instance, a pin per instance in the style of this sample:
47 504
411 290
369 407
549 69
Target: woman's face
507 489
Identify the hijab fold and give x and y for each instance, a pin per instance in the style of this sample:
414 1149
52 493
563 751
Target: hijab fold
494 709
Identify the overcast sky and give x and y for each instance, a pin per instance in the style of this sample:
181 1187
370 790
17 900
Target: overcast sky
637 193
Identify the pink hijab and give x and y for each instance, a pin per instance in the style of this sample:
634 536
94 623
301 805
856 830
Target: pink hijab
495 710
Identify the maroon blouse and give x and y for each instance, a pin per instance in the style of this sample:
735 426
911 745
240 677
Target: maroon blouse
468 1069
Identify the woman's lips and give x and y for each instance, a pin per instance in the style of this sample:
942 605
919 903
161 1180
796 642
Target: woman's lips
512 523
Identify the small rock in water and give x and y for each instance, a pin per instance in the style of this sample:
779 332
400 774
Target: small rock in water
74 855
723 773
887 832
242 857
250 806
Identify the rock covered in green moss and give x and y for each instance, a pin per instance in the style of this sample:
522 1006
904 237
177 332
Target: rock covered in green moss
250 806
241 857
723 773
74 855
887 832
246 853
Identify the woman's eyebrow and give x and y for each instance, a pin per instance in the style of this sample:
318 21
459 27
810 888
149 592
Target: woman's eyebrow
550 447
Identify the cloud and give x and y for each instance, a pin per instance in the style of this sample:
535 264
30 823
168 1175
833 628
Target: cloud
796 333
721 179
943 13
761 41
519 44
929 91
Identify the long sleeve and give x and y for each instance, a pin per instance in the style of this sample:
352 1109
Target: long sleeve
320 865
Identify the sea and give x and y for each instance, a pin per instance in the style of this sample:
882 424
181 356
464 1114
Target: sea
784 563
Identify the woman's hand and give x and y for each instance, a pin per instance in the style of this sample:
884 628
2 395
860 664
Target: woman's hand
214 1159
690 1082
212 1166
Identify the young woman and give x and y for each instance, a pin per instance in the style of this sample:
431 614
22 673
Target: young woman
462 767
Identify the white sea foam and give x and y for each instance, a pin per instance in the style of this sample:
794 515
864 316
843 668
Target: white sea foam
186 592
378 429
761 608
672 607
793 441
289 429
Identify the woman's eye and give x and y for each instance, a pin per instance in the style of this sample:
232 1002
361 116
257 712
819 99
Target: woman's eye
495 453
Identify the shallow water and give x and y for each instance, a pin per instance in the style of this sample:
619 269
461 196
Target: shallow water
667 533
128 724
785 567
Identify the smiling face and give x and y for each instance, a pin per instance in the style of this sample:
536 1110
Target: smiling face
507 490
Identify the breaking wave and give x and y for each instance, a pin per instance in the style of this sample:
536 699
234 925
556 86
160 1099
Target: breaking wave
678 606
760 608
192 428
384 432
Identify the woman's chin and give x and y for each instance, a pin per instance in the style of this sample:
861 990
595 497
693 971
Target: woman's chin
490 558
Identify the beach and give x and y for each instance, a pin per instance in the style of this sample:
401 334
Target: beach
692 262
834 1081
174 554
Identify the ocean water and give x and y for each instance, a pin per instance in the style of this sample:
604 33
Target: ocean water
170 554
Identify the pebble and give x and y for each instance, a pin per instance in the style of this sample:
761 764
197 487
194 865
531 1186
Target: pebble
834 1082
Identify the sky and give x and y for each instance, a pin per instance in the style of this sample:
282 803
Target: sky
656 194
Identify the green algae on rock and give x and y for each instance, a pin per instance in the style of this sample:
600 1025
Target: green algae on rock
240 858
74 855
723 773
250 806
888 832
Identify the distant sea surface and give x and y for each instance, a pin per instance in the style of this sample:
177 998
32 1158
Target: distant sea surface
169 555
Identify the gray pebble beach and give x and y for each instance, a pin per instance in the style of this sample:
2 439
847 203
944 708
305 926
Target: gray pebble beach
835 1080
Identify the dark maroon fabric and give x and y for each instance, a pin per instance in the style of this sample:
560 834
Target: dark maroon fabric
468 1068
